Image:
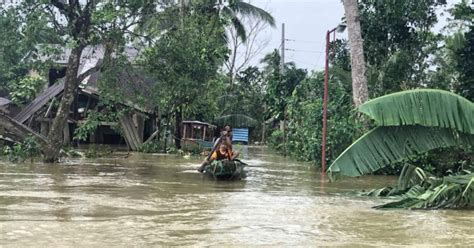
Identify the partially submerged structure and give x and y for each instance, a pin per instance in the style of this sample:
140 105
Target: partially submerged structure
197 133
135 122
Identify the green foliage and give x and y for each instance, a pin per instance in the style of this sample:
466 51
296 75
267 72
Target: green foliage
303 138
277 140
17 50
25 90
397 42
384 145
450 192
419 189
184 62
153 146
280 87
244 102
426 107
93 120
229 13
411 122
454 59
465 65
19 152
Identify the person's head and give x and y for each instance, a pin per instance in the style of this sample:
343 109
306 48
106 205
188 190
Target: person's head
227 128
223 147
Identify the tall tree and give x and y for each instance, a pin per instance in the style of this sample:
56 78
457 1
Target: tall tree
359 79
185 61
398 41
78 24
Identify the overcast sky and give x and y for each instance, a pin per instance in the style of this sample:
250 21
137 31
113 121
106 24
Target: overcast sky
306 22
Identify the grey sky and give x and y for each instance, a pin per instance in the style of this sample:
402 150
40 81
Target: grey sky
306 22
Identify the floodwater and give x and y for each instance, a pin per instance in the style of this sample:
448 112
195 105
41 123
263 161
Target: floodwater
159 200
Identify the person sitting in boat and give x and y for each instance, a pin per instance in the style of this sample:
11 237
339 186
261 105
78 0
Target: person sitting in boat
223 152
226 134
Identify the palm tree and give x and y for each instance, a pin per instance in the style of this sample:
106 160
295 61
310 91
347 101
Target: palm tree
359 80
228 12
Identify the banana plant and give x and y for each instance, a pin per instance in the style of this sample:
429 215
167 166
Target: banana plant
408 123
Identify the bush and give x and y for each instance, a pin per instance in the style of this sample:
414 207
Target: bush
153 146
19 152
303 132
25 90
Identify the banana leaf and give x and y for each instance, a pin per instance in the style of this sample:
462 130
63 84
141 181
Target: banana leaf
385 145
452 192
425 107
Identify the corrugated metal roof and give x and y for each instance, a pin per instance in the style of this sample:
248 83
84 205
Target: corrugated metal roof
240 134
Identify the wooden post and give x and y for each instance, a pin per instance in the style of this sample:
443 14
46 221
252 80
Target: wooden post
184 130
204 133
140 126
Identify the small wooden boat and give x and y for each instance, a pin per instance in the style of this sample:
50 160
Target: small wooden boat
225 169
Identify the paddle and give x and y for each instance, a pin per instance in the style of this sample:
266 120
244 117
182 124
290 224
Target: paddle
240 161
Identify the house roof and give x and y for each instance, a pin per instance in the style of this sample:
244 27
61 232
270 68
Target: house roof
199 123
131 85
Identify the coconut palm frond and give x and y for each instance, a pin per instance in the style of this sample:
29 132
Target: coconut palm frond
236 120
426 107
385 145
248 9
239 28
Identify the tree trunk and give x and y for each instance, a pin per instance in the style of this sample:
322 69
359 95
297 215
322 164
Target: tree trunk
51 153
177 127
359 80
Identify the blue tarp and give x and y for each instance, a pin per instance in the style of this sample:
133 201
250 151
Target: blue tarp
240 135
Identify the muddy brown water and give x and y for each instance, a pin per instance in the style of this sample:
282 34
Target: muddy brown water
159 200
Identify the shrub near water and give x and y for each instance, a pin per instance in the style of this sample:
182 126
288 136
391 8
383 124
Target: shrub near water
303 139
19 152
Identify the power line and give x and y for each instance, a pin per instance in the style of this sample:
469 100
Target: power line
305 51
305 41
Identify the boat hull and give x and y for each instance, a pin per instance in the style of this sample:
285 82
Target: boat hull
225 170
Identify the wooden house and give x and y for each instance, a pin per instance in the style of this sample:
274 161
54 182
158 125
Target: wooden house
137 119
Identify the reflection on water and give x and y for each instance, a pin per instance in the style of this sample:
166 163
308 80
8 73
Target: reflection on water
161 200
